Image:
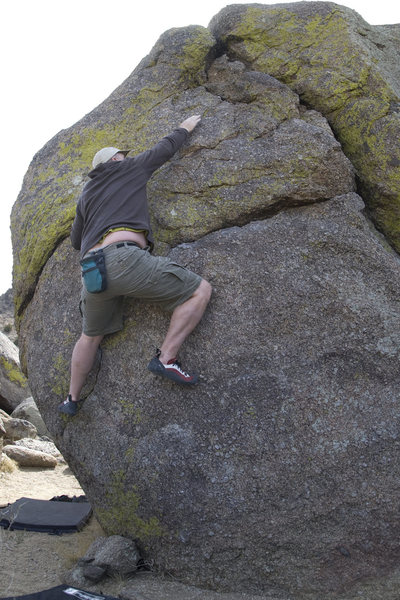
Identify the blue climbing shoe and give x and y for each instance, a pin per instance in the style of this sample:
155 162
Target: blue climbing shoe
69 407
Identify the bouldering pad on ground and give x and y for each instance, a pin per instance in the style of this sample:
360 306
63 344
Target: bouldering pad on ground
61 592
45 515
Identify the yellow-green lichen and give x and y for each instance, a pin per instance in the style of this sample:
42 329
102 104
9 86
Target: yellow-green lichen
13 372
190 216
115 339
59 374
48 210
129 454
194 55
69 337
334 71
40 226
133 413
285 45
120 514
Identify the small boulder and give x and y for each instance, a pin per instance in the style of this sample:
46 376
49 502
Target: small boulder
25 457
17 429
28 410
117 553
40 445
112 556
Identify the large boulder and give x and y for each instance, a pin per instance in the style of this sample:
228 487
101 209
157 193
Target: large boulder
278 473
287 452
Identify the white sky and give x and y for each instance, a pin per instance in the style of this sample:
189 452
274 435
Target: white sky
61 59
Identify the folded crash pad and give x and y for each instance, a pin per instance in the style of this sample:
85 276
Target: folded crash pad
45 515
61 592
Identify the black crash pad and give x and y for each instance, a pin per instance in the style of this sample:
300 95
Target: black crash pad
62 592
45 515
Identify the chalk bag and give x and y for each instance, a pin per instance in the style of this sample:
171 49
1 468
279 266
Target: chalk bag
94 272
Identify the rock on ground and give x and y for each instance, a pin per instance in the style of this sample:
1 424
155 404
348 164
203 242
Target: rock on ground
29 411
42 445
26 457
17 429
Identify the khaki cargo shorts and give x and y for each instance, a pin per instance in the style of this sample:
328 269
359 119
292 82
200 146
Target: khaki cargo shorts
134 272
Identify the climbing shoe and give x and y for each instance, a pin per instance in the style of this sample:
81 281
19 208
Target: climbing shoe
172 370
68 407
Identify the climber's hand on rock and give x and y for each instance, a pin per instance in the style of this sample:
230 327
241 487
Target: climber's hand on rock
190 123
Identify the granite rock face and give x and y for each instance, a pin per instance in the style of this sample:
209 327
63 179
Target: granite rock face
278 474
288 447
341 66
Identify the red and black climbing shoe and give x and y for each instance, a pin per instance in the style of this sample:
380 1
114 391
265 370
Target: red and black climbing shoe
172 370
69 407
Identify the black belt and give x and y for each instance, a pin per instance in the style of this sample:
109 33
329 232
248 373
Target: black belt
122 244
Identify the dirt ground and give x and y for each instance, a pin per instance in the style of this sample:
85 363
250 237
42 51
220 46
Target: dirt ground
42 484
32 562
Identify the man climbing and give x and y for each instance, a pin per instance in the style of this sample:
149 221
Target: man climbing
113 233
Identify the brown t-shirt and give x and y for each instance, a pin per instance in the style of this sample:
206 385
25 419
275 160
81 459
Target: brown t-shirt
116 194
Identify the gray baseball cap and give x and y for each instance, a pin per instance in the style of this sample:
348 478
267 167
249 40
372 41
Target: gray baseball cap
103 155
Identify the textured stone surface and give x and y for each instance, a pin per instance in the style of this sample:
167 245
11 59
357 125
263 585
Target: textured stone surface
117 554
278 475
282 447
17 429
29 411
13 383
41 445
26 457
114 556
341 66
